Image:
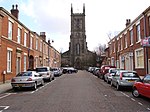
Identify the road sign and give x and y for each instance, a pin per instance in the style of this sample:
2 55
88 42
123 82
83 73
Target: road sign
145 42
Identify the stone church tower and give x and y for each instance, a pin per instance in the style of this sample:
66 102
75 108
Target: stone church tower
78 55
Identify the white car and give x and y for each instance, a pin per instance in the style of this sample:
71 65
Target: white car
45 72
28 79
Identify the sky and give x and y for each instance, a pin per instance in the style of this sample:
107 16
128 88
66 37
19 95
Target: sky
103 18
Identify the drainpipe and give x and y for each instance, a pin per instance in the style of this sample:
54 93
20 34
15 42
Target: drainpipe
146 49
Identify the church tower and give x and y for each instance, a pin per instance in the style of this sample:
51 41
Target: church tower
78 44
78 55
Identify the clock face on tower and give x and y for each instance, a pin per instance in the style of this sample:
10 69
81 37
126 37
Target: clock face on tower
77 23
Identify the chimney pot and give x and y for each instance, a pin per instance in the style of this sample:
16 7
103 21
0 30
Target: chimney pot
12 6
16 6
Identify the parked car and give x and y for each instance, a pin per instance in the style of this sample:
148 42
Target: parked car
27 79
142 87
56 71
108 76
69 70
124 78
104 69
45 72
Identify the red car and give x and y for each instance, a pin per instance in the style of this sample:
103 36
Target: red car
142 87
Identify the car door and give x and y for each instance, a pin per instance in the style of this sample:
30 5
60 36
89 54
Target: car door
146 86
115 78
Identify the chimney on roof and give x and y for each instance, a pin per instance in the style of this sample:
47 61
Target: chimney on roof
128 21
43 35
15 11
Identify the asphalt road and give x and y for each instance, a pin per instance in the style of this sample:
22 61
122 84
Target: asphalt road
78 92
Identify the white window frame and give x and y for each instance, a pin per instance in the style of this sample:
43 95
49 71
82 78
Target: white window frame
36 47
41 46
138 55
19 35
138 32
126 41
31 42
131 37
25 39
9 60
10 30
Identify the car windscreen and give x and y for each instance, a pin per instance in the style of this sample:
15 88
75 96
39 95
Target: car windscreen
24 74
129 74
41 69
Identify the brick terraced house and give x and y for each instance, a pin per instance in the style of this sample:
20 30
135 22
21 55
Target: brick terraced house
21 48
126 50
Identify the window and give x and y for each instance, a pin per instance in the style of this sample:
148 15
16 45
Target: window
25 39
78 49
114 48
138 33
121 44
131 37
9 60
41 46
139 58
25 63
118 45
10 28
126 42
19 36
112 61
31 42
36 47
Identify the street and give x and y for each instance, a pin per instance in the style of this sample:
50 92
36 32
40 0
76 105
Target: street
77 92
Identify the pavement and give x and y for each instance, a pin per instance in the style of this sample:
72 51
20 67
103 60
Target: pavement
5 86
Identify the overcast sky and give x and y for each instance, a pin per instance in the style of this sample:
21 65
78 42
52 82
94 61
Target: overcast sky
103 17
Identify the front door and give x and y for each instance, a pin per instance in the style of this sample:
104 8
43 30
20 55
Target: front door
18 65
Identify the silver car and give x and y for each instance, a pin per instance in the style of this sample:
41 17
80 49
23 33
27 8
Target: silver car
46 73
27 79
124 78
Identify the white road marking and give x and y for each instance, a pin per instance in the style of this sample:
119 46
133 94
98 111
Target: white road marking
148 108
125 94
132 99
7 94
5 108
140 103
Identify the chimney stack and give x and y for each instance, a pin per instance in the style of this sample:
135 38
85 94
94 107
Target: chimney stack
43 35
15 12
128 21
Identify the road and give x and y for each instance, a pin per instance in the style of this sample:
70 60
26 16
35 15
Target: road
77 92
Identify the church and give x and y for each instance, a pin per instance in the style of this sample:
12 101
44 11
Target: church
78 55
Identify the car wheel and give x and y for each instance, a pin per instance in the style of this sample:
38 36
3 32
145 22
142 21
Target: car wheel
118 87
107 81
35 86
135 93
111 84
42 83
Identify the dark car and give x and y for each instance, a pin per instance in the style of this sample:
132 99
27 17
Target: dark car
142 87
69 70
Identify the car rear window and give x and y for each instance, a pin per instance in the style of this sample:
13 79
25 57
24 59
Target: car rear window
24 74
130 74
41 69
